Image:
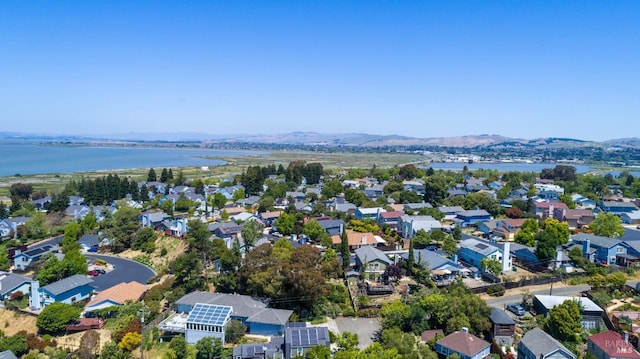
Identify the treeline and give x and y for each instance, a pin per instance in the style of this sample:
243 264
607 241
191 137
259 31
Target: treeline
106 189
253 178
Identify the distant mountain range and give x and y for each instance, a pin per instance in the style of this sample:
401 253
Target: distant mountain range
325 139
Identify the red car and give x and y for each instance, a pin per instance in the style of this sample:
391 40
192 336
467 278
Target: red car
93 273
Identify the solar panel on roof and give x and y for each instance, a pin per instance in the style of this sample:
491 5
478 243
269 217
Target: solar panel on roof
482 246
209 314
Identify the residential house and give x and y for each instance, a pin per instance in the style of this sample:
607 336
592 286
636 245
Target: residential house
299 340
466 345
606 249
333 227
7 354
117 295
443 270
357 240
242 217
10 225
153 219
536 344
631 217
248 202
520 194
544 209
408 226
416 207
502 327
11 283
473 250
374 191
508 228
488 227
76 200
390 219
68 290
575 218
475 185
617 208
77 212
368 213
234 210
41 204
207 320
431 334
450 212
273 349
253 313
295 196
583 202
611 345
591 313
416 185
526 256
472 217
89 242
371 262
22 260
269 217
453 192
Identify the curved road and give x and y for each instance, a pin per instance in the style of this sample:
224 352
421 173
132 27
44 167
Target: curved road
124 270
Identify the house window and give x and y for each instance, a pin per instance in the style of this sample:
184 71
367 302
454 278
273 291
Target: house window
619 250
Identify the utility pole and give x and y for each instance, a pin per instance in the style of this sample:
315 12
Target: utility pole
142 312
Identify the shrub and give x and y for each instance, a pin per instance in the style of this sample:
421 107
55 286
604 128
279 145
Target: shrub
496 290
17 295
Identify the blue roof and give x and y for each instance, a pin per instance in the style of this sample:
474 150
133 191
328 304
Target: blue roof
209 314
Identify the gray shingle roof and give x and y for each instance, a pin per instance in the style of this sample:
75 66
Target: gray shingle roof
478 246
66 284
368 254
599 241
9 281
271 316
243 305
431 258
540 343
500 317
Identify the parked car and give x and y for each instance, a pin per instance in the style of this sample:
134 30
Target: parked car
516 309
93 273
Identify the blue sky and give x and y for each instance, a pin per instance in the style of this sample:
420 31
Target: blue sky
419 68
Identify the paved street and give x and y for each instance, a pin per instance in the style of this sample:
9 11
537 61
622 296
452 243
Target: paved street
124 270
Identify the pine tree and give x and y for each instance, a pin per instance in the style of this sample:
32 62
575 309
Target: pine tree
151 177
164 176
411 261
344 250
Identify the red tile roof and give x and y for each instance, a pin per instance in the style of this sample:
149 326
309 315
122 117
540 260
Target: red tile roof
614 345
394 214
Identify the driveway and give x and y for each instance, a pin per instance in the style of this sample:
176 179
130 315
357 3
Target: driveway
366 328
124 270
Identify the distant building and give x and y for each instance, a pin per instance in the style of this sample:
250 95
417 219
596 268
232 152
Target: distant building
536 344
590 311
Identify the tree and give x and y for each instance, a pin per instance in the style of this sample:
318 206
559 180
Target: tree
151 176
345 253
72 233
55 316
285 223
130 341
251 233
209 348
111 351
144 239
527 232
5 262
607 225
123 227
235 330
331 189
313 229
59 203
238 195
4 212
179 345
218 200
564 322
89 344
164 175
20 190
449 244
435 189
491 265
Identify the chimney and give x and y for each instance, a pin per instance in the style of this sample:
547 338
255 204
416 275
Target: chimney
585 248
465 330
506 254
625 334
34 298
558 257
363 239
